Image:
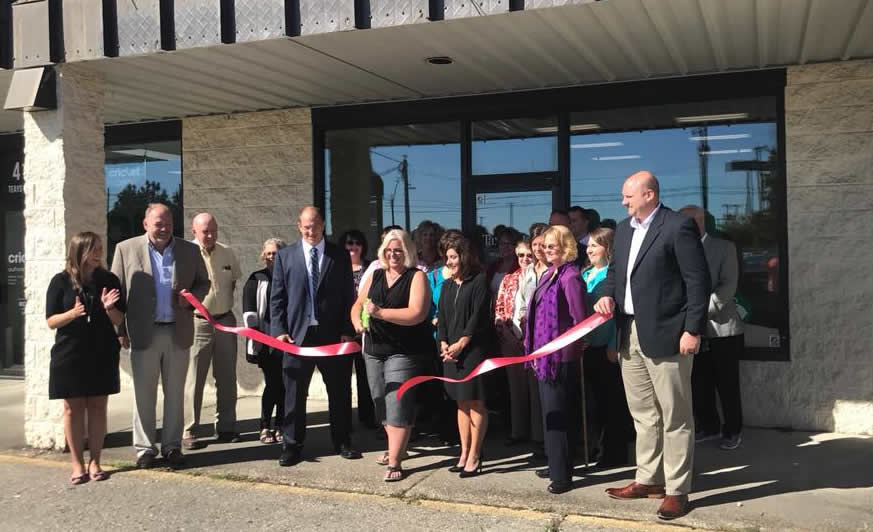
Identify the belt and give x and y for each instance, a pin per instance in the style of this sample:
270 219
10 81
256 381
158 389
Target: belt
162 323
216 316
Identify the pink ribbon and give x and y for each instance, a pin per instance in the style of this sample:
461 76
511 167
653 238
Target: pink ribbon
343 348
570 335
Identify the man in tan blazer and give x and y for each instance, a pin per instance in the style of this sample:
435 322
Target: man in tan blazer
154 269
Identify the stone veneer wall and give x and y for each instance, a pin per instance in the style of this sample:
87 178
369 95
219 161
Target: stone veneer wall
64 194
828 384
253 172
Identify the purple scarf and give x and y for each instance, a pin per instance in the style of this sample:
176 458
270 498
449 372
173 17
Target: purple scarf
543 328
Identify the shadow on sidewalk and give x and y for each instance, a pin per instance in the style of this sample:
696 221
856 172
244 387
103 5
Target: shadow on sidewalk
794 462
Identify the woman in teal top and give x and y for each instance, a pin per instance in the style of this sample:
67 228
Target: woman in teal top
609 417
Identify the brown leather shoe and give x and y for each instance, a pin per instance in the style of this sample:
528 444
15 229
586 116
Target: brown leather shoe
674 506
637 491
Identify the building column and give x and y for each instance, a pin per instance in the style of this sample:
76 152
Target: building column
65 193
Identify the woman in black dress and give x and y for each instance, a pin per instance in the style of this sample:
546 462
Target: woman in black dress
256 314
84 304
462 331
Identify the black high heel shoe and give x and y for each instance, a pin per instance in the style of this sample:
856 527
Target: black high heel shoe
467 474
456 469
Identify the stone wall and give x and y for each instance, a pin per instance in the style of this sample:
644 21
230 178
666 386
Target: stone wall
253 172
64 194
828 383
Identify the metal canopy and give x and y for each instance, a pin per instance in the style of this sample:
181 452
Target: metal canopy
591 43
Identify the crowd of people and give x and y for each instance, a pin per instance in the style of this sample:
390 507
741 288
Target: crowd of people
430 302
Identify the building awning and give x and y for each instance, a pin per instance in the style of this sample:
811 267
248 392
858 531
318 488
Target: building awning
590 43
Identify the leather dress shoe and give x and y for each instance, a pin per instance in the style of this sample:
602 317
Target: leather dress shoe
542 473
291 455
145 460
636 491
348 452
175 459
560 486
673 507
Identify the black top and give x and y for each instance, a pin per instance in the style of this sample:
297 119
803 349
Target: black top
385 338
85 355
359 274
464 311
250 294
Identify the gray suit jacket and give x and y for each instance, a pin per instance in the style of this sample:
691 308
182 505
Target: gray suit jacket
133 267
721 256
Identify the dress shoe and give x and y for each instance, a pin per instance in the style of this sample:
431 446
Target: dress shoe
542 473
467 474
145 460
191 443
291 455
673 507
175 459
348 452
560 486
636 491
228 437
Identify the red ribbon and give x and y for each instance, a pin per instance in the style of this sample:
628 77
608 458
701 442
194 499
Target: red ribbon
570 335
343 348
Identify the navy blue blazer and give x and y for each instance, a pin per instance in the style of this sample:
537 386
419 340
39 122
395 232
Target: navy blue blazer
670 282
334 295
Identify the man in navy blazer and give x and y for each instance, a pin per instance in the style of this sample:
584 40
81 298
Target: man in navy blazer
658 286
310 305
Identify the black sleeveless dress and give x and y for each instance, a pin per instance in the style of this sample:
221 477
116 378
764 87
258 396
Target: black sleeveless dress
384 338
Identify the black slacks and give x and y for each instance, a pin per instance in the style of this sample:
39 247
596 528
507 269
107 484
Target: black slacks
718 370
610 422
366 408
270 362
337 374
561 412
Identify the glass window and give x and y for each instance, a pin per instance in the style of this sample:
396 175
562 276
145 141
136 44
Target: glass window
515 146
138 174
723 157
385 165
12 299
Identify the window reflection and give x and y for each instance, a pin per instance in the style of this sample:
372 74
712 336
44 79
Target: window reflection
138 174
515 146
386 165
729 169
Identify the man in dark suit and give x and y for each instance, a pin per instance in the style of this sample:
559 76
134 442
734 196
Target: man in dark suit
310 305
658 286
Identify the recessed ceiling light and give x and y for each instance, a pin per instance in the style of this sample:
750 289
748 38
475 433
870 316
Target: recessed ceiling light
440 60
720 137
597 145
574 127
615 158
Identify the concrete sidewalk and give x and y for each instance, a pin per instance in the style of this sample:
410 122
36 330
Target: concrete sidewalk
775 481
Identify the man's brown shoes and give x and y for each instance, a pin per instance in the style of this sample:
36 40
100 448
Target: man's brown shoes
636 491
674 506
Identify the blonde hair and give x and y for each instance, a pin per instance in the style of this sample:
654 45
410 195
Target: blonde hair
565 239
278 242
410 253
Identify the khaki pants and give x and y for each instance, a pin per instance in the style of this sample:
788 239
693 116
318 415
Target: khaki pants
216 349
165 360
658 394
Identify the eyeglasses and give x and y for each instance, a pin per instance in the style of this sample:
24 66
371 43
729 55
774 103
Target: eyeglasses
551 247
354 243
524 255
397 251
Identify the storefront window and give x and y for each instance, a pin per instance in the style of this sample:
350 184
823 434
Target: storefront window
370 172
139 173
520 145
12 244
724 158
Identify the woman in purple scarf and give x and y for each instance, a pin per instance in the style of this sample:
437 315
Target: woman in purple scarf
558 304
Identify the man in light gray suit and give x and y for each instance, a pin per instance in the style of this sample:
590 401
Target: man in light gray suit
717 368
154 270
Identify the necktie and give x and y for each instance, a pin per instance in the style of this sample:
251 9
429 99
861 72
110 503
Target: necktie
313 270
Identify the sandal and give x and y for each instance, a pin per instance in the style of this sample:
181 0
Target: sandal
75 480
99 476
267 436
277 435
383 460
394 474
